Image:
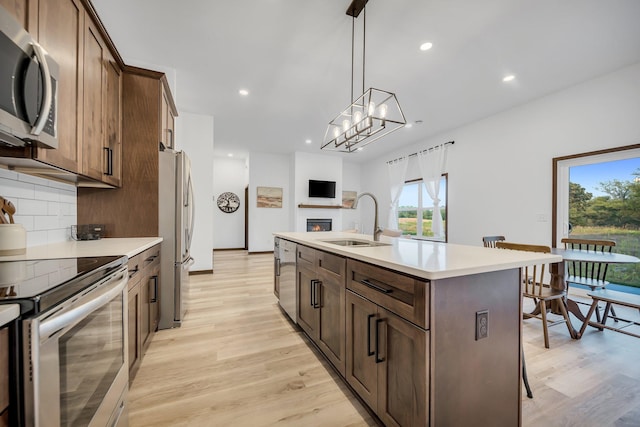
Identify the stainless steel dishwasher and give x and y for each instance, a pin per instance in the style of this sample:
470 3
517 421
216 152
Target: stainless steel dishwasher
285 275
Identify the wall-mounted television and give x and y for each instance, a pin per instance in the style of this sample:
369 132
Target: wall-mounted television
324 189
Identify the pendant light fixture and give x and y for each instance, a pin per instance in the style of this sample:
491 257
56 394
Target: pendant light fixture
372 115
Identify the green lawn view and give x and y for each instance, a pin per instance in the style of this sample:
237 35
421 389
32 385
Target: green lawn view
627 242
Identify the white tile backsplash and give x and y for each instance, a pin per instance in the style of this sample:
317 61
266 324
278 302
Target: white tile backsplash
45 208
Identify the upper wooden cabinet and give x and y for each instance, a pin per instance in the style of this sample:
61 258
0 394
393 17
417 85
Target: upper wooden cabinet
132 209
94 79
60 30
112 172
167 120
89 87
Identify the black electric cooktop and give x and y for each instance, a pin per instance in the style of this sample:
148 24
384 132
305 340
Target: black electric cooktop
38 285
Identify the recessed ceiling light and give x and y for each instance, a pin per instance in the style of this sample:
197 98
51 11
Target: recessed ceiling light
508 78
360 148
243 92
426 46
307 141
230 155
408 125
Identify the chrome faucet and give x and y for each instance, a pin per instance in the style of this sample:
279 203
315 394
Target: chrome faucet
376 230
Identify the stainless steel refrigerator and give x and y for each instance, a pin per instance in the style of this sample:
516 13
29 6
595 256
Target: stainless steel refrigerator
176 215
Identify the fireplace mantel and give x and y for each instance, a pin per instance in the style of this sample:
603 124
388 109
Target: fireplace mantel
301 205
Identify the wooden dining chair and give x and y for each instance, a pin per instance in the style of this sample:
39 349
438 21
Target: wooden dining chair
590 274
533 287
490 241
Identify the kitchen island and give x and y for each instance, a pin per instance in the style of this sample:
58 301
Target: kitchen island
425 333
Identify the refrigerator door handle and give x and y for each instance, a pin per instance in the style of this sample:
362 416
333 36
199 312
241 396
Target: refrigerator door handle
191 204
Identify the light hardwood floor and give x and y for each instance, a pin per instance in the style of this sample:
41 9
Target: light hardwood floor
237 361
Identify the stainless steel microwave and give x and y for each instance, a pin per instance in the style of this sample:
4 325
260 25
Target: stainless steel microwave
28 88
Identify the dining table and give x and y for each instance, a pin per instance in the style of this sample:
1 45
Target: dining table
558 273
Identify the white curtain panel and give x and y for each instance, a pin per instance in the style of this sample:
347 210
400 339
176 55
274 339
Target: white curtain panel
397 173
432 165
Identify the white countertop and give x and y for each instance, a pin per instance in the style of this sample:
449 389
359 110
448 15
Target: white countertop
8 313
420 258
73 249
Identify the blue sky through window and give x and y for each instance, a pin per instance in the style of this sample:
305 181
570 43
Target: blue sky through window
409 196
590 176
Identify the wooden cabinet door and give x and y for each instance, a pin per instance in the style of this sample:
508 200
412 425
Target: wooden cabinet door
145 329
167 121
60 31
20 10
134 328
331 322
307 311
4 372
112 149
402 374
93 103
154 302
361 370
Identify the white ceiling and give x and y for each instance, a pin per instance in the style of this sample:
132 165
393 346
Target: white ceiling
294 56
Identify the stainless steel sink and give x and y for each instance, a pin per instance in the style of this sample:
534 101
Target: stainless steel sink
355 243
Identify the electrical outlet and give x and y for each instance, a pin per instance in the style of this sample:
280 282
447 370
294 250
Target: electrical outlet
482 324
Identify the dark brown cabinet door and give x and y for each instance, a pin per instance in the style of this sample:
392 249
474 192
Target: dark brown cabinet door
402 376
134 328
331 335
361 370
307 296
112 149
145 329
93 103
4 376
20 10
60 31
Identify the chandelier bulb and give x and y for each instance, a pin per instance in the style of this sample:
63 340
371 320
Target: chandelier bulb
372 108
383 110
336 132
357 118
345 125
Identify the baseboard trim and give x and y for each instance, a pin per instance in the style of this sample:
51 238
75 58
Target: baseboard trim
199 272
260 253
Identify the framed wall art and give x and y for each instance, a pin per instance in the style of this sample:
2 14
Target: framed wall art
269 197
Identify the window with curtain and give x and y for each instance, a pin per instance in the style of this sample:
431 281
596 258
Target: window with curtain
415 210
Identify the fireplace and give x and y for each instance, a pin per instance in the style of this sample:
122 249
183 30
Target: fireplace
319 224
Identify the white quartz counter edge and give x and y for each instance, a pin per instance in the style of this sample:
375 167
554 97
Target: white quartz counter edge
87 248
428 260
8 313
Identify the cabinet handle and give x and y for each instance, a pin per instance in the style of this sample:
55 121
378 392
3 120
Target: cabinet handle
378 360
311 294
277 266
366 282
151 258
317 292
170 132
110 162
155 290
369 352
133 272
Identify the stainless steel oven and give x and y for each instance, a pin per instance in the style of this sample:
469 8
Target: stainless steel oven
74 345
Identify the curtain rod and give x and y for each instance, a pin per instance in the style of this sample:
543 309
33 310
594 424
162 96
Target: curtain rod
421 151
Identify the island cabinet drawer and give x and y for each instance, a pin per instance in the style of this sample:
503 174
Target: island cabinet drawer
331 264
306 257
406 296
135 266
151 257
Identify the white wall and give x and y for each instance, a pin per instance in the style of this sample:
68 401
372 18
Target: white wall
500 168
194 136
268 170
318 167
229 175
351 218
46 209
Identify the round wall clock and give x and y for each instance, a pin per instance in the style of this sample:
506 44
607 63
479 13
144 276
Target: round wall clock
228 202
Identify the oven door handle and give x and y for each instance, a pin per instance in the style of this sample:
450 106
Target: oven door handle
43 114
97 299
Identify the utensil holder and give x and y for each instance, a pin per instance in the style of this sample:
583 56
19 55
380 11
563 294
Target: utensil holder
13 239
